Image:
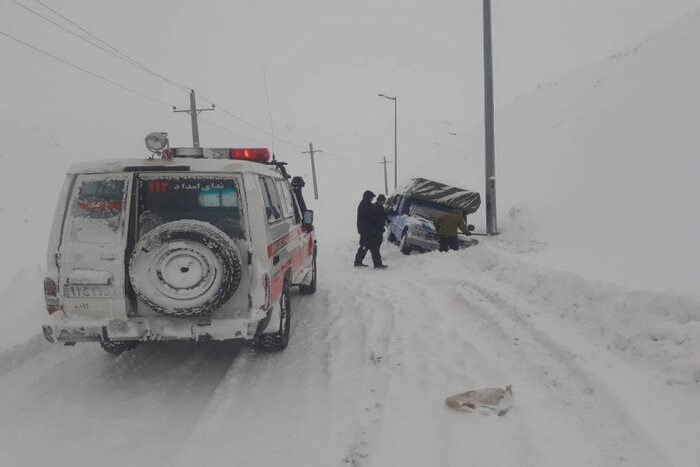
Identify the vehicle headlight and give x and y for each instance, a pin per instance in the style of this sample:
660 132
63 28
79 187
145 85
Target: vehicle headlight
420 230
416 229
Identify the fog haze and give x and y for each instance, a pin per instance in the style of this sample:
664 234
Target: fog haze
325 63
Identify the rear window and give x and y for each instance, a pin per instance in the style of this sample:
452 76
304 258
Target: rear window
212 199
96 212
429 212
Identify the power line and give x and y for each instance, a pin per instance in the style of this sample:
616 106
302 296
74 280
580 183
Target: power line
354 159
126 58
36 13
95 75
121 55
231 131
210 123
231 114
84 70
365 161
115 52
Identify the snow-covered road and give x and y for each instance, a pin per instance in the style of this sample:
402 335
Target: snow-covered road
601 376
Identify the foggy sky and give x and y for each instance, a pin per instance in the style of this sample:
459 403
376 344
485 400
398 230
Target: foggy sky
325 63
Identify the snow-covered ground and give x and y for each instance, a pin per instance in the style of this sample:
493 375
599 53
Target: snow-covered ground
601 376
586 305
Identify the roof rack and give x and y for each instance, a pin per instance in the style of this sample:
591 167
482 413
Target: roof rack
279 166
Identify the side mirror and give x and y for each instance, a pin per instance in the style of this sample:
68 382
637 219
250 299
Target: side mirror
470 227
308 217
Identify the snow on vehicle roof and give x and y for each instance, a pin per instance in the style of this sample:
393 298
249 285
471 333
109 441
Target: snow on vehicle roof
192 165
436 192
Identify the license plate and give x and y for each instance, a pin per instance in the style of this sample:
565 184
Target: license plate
88 291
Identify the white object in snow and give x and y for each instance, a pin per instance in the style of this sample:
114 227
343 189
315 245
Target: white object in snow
488 400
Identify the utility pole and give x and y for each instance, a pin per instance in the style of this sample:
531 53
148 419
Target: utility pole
396 164
194 111
311 152
386 181
490 152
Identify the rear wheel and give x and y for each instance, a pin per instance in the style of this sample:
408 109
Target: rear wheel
391 237
404 245
277 342
117 348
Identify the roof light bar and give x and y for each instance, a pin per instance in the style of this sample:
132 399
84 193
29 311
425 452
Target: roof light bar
250 154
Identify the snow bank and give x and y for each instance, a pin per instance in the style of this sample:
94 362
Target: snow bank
22 308
656 331
600 168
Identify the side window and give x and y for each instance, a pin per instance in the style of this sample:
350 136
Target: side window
285 198
272 203
403 206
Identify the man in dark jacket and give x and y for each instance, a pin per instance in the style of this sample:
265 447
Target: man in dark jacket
378 222
447 225
379 218
365 227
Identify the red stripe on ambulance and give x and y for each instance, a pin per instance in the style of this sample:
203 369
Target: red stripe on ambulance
281 242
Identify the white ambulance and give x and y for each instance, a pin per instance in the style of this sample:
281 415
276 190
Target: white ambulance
193 244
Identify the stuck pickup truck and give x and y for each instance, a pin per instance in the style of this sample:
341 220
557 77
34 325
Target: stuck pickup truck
414 207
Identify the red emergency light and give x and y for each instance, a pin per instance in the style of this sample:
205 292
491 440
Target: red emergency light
250 154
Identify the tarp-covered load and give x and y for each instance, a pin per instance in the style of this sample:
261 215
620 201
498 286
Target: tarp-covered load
436 192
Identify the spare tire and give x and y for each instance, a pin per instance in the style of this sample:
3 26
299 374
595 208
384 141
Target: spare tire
185 268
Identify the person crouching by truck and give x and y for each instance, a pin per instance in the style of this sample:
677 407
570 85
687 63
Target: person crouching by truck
446 227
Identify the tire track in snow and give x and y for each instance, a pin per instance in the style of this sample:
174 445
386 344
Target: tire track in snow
131 408
360 350
574 392
545 299
271 408
324 401
430 358
333 368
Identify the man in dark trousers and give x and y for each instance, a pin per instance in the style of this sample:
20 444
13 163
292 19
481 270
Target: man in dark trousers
365 227
447 225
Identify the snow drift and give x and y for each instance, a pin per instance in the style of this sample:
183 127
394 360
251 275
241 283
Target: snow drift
601 165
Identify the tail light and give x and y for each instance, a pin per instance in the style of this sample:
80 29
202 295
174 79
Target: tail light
53 304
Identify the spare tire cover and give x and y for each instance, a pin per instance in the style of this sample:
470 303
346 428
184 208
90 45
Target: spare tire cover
185 268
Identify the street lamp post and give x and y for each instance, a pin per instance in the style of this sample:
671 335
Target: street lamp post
396 165
490 152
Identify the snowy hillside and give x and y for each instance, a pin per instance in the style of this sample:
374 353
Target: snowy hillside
601 165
